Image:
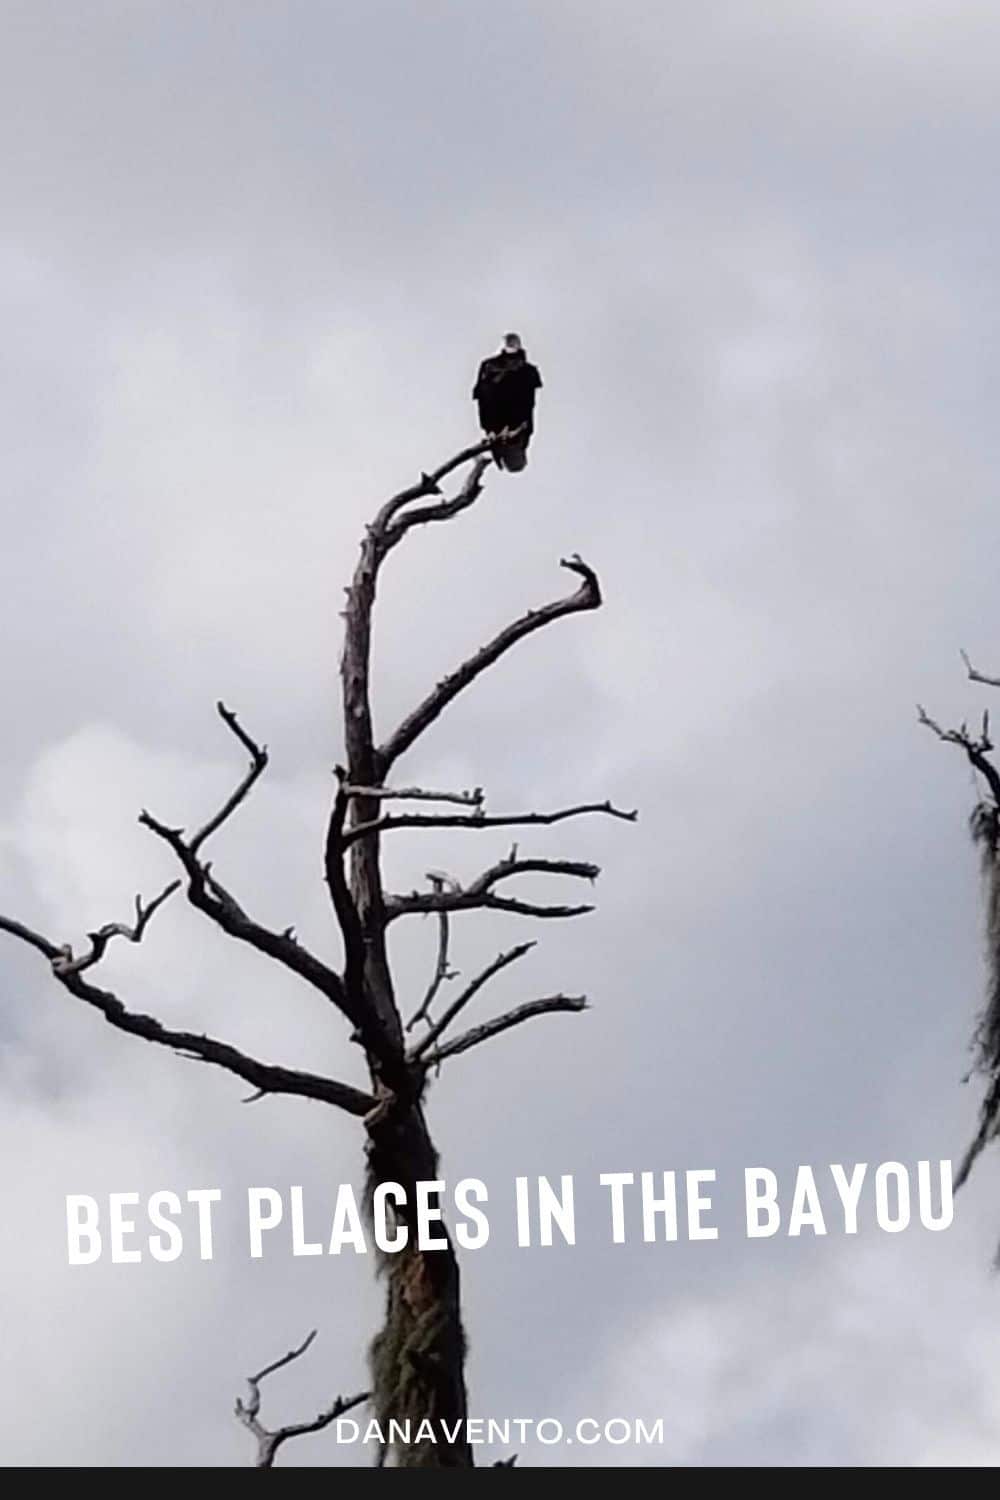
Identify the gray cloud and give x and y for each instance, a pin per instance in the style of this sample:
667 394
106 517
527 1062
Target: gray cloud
250 256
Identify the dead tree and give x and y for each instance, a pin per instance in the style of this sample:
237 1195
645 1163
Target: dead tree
984 827
417 1358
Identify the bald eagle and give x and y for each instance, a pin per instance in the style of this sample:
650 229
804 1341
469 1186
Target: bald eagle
505 393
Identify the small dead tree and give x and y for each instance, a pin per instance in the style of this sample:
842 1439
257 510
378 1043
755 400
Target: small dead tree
417 1358
984 827
268 1440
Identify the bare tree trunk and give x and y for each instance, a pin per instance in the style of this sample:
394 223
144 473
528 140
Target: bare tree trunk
418 1356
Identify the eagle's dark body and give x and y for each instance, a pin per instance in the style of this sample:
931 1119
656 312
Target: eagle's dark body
505 393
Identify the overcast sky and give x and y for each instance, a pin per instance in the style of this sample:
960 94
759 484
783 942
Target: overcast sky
251 255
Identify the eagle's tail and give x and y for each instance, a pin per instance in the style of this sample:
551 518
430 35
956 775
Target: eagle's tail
510 449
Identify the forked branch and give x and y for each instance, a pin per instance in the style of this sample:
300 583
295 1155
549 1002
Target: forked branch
976 749
975 676
100 939
419 903
442 510
501 962
449 896
442 968
267 1078
258 765
428 484
268 1441
208 895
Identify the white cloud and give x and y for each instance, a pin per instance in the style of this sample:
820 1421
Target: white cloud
881 1336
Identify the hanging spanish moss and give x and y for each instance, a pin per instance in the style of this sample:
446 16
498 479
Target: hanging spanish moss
984 826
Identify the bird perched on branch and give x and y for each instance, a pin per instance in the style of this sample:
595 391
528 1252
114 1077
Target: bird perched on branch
505 392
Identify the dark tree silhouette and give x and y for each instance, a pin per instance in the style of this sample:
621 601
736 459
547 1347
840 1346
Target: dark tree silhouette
418 1356
984 826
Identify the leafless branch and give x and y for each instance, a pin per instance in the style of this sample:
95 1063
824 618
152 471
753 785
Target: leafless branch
587 596
442 969
258 764
481 820
977 750
513 865
975 676
344 907
479 896
266 1077
99 940
206 893
269 1442
502 961
419 903
489 1029
443 510
960 736
51 951
473 798
428 484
